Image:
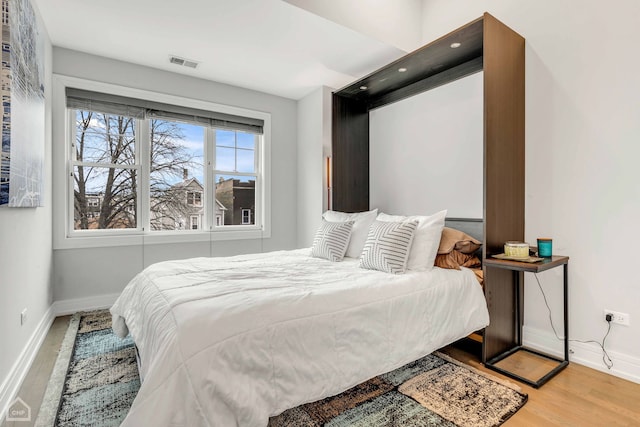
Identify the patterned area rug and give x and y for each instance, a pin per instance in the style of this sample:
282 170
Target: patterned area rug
96 379
435 391
100 377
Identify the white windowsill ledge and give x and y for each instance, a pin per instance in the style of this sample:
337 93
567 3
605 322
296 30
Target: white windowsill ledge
158 237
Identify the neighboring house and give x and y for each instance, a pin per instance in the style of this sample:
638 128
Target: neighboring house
240 198
94 201
182 207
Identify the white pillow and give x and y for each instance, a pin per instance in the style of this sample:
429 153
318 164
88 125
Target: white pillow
331 240
426 241
388 245
361 223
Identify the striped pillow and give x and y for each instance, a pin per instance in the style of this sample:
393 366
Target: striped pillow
332 240
387 246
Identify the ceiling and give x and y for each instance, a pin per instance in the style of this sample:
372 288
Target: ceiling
266 45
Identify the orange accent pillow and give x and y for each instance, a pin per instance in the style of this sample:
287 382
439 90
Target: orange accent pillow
455 239
456 259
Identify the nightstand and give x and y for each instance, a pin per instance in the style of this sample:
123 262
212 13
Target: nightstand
507 362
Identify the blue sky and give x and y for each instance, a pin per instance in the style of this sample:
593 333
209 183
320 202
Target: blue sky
234 151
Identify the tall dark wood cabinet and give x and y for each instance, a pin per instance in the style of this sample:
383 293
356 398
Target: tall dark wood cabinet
486 45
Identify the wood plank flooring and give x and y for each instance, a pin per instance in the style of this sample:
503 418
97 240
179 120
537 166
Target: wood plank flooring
35 383
527 365
578 396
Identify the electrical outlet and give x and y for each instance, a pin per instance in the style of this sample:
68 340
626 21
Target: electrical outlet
617 317
23 317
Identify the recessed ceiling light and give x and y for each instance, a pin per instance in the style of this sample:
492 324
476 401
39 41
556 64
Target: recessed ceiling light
402 70
455 45
363 88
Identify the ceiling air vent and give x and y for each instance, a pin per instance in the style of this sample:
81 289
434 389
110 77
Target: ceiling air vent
182 61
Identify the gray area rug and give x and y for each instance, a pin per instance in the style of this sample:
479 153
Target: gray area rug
96 379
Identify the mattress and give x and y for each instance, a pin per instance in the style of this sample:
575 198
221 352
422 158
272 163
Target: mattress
232 341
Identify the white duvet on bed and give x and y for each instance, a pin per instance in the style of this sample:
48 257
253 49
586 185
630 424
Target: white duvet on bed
232 341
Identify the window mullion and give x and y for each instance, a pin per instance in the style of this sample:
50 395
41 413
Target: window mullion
223 172
144 160
258 216
71 159
210 185
104 165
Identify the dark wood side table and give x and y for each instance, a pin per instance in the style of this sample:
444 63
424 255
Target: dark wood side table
497 363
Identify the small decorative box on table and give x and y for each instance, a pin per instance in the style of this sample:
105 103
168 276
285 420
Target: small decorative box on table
548 366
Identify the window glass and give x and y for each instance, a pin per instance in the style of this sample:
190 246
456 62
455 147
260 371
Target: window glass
104 197
104 138
176 178
236 194
235 151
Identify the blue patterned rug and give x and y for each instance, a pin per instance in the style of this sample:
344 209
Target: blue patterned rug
101 378
96 379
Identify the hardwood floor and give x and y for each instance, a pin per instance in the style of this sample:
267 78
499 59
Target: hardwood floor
34 385
578 396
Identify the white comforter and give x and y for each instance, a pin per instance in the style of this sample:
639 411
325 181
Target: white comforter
232 341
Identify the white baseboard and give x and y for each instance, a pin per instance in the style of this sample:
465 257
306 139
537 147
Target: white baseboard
18 372
624 365
70 306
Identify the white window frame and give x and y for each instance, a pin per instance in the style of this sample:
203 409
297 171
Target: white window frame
137 166
64 235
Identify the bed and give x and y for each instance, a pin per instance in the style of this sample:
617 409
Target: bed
232 341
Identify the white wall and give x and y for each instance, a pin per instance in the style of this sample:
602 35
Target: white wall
25 262
582 152
82 273
426 152
314 145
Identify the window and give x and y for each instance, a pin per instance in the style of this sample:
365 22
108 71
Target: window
194 198
246 216
236 174
147 166
105 169
176 173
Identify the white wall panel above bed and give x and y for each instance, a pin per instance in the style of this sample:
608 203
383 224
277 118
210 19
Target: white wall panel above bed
426 152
